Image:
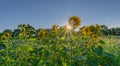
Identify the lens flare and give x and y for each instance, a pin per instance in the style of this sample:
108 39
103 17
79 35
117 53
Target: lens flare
69 27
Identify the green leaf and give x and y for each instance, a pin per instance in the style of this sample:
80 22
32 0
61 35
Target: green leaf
64 64
40 62
79 58
92 61
2 50
32 39
99 51
101 41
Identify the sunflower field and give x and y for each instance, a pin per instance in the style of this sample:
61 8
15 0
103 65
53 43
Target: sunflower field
59 46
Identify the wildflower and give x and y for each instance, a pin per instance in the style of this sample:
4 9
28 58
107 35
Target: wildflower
74 21
95 37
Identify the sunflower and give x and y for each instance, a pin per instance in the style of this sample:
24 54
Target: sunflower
85 31
92 28
74 21
89 44
98 27
95 37
23 29
3 37
41 34
54 28
7 35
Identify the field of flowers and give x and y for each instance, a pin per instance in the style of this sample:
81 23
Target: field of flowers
59 46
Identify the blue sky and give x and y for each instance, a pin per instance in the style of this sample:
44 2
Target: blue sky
45 13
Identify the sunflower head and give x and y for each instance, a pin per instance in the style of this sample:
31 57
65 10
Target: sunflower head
5 36
92 28
95 37
85 30
23 29
41 34
98 27
74 21
89 44
54 28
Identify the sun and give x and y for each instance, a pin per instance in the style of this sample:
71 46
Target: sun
69 27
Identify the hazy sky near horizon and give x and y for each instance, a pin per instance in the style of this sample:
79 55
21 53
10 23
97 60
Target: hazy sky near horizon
45 13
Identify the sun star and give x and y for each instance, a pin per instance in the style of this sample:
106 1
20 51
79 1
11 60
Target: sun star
69 27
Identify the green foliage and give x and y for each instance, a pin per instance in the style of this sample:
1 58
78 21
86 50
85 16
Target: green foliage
101 41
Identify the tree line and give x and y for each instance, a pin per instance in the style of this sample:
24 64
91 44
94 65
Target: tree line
110 31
